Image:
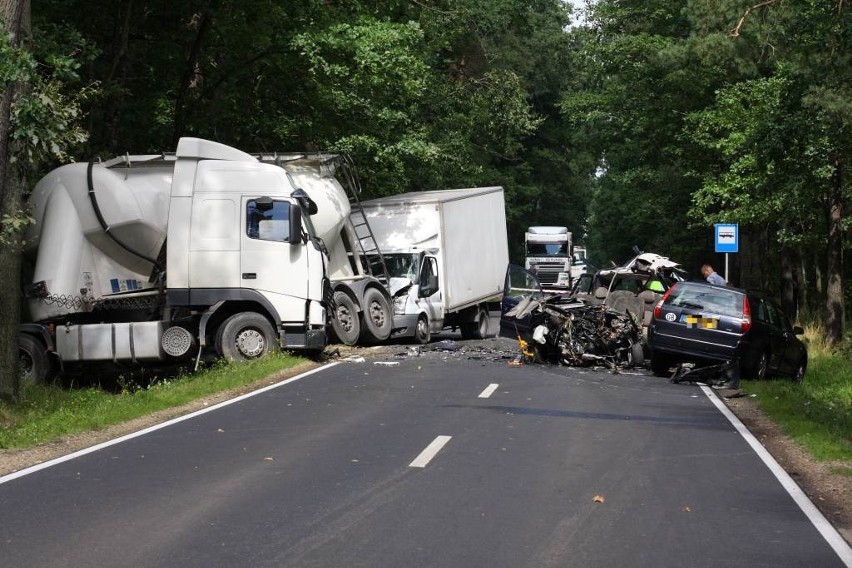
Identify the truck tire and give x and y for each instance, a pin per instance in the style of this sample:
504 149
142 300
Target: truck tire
377 316
478 328
34 362
422 333
245 336
344 320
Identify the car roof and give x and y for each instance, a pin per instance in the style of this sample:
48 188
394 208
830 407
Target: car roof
700 284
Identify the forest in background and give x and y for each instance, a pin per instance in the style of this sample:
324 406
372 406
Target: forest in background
632 122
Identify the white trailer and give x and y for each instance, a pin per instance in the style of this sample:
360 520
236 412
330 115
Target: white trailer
148 257
446 252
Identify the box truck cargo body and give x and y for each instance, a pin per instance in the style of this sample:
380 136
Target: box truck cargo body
449 249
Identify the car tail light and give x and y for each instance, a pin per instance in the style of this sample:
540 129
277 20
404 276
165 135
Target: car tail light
746 325
659 307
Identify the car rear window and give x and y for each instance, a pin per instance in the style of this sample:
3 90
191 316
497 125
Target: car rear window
713 300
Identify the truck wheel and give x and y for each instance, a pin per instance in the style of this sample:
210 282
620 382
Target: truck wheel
246 336
422 334
478 328
344 319
377 316
34 362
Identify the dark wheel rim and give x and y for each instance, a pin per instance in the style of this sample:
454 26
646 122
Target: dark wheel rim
377 313
344 317
26 365
800 373
761 367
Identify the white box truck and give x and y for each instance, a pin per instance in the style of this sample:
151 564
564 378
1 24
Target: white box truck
446 252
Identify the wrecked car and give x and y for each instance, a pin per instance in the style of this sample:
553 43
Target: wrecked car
559 329
636 286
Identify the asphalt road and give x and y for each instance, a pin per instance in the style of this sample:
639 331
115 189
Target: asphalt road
552 467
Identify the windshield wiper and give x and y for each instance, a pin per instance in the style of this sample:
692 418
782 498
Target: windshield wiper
692 306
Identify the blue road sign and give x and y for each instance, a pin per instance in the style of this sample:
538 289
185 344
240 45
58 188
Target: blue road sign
727 237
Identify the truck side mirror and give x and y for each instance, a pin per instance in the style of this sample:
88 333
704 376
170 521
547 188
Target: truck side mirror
295 236
305 201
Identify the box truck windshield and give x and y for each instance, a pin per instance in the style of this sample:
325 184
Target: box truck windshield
403 265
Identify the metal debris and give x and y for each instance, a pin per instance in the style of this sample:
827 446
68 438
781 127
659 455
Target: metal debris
579 334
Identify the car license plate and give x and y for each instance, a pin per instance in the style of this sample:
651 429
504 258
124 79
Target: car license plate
699 321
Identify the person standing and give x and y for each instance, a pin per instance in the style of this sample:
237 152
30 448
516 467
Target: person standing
712 276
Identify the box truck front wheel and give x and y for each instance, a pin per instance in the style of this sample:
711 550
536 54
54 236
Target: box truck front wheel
378 319
345 322
422 333
34 362
245 336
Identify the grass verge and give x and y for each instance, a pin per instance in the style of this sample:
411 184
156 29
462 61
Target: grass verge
46 413
818 412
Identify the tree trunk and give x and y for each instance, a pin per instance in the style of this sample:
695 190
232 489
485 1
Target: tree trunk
788 286
118 73
834 320
15 18
191 73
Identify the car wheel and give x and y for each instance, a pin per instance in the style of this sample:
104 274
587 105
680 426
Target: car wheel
758 372
422 334
637 355
799 375
660 365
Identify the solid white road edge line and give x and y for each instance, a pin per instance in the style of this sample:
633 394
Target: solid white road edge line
828 532
426 455
489 390
97 447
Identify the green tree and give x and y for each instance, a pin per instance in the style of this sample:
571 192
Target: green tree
785 139
39 122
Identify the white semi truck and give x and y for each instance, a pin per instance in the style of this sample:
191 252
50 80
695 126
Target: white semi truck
548 254
446 252
158 257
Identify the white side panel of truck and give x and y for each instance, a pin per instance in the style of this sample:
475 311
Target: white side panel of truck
475 248
464 228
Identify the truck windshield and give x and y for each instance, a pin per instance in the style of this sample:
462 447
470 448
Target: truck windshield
402 265
547 249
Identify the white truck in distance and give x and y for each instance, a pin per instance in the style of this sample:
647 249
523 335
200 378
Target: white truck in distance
158 257
548 254
449 249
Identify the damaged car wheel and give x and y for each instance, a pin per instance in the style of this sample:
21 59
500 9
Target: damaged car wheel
637 355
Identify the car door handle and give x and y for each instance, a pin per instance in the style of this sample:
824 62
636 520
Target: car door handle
249 275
